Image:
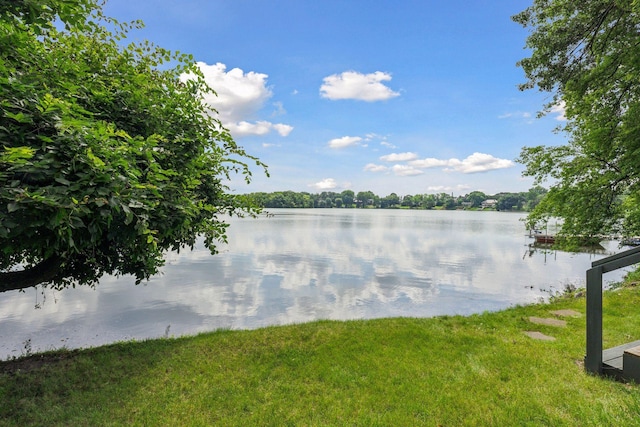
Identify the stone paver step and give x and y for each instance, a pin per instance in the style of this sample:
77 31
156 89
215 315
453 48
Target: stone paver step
547 321
539 336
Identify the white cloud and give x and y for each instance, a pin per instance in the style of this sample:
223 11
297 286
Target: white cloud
479 162
475 163
245 128
399 170
429 163
447 188
560 110
516 115
399 157
387 144
345 141
325 184
370 137
240 96
371 167
439 188
406 170
282 129
278 109
354 85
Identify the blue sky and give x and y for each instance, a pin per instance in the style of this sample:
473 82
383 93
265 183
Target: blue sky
388 96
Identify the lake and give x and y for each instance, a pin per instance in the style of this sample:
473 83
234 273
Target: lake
301 265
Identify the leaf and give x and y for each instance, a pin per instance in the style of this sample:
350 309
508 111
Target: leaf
16 155
62 181
128 218
97 162
103 135
18 117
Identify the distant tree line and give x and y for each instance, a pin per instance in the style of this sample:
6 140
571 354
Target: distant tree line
523 201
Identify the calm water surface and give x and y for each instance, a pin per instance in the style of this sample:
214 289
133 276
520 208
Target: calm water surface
302 265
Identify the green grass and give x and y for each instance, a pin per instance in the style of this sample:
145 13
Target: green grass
450 371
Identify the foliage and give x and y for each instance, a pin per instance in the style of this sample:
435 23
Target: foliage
348 199
480 370
587 53
510 201
109 156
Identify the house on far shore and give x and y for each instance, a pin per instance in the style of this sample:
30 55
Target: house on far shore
489 204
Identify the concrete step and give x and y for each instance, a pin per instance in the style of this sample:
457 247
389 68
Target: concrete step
631 364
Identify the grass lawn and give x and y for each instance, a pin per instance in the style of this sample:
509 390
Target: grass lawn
451 371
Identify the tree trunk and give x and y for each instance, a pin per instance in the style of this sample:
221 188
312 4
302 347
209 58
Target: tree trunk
43 272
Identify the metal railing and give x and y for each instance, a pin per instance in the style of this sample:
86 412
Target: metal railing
593 358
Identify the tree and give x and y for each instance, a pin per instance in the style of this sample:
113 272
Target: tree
347 198
442 199
366 198
476 198
407 201
110 155
587 54
509 201
429 201
450 203
389 201
534 196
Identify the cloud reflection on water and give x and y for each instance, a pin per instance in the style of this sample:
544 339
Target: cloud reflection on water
301 265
